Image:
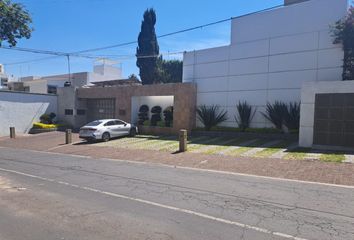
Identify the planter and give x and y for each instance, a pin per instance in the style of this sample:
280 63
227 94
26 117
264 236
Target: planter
285 136
42 130
152 130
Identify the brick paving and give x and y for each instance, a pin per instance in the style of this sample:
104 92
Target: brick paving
306 170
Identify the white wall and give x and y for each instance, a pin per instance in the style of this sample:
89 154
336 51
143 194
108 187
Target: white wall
20 110
308 96
271 54
150 101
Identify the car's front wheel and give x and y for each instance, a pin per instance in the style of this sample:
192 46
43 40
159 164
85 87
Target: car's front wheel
106 137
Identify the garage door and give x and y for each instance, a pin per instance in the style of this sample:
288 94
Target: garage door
101 109
334 120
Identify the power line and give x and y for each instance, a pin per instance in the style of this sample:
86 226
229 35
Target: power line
79 53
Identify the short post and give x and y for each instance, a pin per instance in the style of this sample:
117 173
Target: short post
183 135
68 136
12 132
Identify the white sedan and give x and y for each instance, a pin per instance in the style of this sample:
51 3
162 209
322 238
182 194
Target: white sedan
106 129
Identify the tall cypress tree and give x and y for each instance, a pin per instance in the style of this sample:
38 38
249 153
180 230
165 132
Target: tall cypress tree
148 49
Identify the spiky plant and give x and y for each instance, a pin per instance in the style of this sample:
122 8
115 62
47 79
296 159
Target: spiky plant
211 116
275 113
245 115
292 116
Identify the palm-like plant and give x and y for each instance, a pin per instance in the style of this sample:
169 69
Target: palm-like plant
276 113
211 116
292 116
245 115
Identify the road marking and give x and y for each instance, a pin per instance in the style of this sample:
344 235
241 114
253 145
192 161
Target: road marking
176 209
190 168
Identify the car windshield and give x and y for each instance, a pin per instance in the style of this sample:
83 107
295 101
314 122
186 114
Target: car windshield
94 123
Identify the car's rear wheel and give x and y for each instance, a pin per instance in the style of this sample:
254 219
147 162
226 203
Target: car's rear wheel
132 132
106 137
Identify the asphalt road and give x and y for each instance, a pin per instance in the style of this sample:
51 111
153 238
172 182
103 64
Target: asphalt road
51 196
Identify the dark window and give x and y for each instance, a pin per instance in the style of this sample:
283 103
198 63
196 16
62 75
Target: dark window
93 124
120 122
80 111
69 112
52 89
110 123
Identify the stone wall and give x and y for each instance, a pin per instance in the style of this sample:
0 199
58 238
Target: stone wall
184 100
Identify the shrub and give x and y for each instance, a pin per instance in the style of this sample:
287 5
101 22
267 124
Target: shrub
292 116
168 114
46 126
143 114
47 119
211 116
245 115
276 113
156 115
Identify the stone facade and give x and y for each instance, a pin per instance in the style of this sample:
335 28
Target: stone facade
184 100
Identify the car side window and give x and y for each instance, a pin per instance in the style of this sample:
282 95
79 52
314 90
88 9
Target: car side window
110 123
120 123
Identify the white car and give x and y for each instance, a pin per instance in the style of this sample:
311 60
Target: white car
106 129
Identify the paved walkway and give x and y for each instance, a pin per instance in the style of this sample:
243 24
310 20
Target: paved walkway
306 170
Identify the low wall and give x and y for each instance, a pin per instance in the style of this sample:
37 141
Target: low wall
157 130
20 110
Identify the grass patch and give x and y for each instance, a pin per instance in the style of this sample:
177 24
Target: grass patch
332 157
297 154
229 144
273 149
241 150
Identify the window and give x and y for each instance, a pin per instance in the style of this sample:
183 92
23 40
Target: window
80 111
51 89
110 123
94 123
69 112
120 122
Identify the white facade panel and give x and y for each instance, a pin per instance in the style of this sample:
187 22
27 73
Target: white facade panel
248 82
297 43
188 73
209 70
212 55
249 66
256 98
330 58
330 74
188 58
213 84
249 49
285 95
292 79
212 98
314 15
293 61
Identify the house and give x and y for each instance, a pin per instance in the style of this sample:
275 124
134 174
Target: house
271 55
104 71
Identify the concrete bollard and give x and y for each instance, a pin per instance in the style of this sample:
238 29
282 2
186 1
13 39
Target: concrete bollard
12 132
183 138
68 136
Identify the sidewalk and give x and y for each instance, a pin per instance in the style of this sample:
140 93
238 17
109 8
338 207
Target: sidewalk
305 170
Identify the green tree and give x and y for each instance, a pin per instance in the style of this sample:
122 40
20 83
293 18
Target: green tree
169 71
14 22
148 49
343 32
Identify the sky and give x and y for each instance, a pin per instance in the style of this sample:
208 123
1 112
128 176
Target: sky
74 25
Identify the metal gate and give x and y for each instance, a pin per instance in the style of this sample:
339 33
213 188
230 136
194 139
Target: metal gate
334 120
101 109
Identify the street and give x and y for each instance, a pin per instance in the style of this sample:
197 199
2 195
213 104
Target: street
57 196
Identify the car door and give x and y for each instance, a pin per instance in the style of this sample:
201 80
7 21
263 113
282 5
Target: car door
123 127
111 127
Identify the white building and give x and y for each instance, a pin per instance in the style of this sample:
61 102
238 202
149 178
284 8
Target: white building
4 78
272 53
104 71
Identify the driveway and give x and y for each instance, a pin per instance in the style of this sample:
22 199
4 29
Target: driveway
55 196
305 170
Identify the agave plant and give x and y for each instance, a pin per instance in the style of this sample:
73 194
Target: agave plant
292 116
276 113
245 115
211 116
